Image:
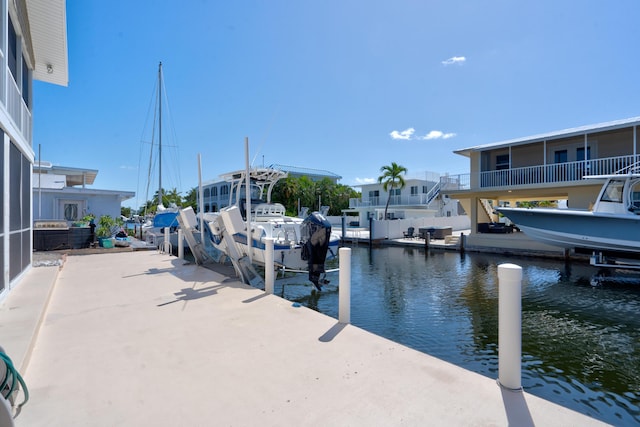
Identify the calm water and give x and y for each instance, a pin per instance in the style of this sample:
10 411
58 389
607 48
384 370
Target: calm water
580 337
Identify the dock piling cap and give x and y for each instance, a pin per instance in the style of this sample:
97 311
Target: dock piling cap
511 272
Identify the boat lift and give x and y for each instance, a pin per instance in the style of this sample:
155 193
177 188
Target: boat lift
241 263
600 259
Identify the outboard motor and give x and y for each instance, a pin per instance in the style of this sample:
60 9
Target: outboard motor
316 231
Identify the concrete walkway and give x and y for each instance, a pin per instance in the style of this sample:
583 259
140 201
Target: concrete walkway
140 339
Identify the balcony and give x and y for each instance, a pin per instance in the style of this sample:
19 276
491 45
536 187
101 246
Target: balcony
536 175
422 200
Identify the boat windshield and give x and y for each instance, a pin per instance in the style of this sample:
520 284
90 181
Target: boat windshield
256 192
613 191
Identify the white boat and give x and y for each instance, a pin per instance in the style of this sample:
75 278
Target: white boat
613 224
300 244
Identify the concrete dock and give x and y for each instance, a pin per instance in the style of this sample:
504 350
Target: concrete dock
141 338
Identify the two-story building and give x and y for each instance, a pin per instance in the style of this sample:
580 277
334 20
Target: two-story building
216 193
33 45
546 167
420 198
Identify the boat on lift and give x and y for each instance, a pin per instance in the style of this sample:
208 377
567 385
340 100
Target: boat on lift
612 225
300 244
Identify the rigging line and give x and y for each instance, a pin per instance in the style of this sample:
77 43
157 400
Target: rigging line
176 151
144 128
275 114
151 159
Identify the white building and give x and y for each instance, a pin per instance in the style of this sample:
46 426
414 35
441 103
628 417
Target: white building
33 45
61 193
420 198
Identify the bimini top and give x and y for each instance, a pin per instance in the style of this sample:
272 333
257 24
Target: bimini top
600 127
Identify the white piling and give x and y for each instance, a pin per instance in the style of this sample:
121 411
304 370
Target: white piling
344 284
167 241
510 326
180 244
269 276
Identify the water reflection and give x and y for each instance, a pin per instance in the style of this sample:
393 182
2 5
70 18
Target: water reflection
581 343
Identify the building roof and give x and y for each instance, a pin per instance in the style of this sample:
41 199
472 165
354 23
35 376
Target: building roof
600 127
75 176
305 171
47 25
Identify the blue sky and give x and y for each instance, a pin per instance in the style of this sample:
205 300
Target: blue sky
340 85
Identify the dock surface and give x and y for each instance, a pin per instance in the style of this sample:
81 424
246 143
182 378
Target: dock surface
142 338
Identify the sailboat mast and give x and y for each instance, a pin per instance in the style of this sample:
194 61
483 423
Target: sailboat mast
160 134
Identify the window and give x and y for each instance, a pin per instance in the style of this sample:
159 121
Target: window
502 162
580 154
13 50
395 192
414 190
214 192
207 192
224 190
613 192
374 193
425 189
560 156
25 83
71 211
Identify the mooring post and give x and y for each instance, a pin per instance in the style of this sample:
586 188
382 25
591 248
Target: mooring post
344 227
269 274
180 244
427 239
510 326
344 286
463 241
167 242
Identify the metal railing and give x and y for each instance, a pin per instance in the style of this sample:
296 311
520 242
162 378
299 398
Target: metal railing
421 199
531 175
17 108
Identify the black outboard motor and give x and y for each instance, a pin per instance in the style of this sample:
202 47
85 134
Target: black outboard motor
316 231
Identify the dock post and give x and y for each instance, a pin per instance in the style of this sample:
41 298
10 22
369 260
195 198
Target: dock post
344 228
180 244
510 326
269 276
427 239
344 286
167 242
463 241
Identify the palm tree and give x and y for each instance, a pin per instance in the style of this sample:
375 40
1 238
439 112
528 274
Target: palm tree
391 178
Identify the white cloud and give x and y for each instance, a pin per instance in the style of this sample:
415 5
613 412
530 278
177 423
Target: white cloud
405 134
455 60
365 180
438 134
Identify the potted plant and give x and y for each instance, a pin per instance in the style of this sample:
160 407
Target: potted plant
104 231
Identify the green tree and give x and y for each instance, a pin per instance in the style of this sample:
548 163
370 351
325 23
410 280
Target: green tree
390 179
191 199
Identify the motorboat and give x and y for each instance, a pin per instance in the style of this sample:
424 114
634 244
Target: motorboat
300 244
613 224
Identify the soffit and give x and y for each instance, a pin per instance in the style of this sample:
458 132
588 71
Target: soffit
48 27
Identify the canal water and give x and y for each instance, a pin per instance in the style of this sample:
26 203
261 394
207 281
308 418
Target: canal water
580 329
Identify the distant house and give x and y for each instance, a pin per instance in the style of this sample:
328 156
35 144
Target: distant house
420 198
34 46
216 193
549 166
61 193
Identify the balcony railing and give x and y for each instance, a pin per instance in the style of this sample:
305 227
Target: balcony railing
18 109
532 175
422 199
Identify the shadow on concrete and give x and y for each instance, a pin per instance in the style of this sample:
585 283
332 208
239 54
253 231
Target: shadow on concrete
332 333
256 298
516 408
188 294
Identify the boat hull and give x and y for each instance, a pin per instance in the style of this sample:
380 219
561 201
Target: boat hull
578 229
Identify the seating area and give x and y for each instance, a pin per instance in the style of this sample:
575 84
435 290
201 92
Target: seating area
409 234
